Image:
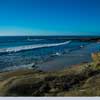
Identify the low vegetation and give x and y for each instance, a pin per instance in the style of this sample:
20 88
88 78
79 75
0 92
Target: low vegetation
79 80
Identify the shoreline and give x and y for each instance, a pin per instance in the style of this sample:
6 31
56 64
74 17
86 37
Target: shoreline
77 80
54 63
59 62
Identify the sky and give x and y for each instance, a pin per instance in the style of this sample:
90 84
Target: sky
49 17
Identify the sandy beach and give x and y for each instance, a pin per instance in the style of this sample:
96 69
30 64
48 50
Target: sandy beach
79 80
83 55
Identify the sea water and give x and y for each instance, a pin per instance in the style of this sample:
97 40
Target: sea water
22 51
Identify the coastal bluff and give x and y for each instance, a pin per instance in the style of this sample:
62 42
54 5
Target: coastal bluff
78 80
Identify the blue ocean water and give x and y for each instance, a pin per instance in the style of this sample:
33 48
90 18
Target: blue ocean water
18 51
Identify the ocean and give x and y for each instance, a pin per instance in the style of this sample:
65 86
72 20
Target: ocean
24 51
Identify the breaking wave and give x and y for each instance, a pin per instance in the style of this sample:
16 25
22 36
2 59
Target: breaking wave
30 47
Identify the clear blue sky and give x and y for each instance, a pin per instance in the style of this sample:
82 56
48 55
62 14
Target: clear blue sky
49 17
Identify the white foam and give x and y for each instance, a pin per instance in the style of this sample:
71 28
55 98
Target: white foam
29 47
28 66
35 39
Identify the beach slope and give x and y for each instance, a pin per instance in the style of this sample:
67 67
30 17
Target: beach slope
78 80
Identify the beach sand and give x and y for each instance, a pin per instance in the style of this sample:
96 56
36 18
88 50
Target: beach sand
82 55
79 80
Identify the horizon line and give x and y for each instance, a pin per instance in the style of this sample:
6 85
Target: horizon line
51 35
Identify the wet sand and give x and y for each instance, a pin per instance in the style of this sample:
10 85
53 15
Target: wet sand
64 61
83 55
